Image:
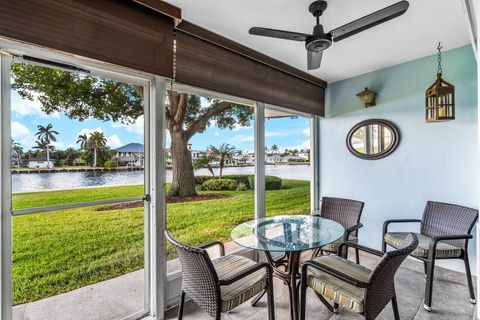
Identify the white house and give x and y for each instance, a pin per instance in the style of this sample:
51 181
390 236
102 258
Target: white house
132 154
41 163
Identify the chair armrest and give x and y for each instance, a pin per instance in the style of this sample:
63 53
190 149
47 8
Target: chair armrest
245 272
435 240
332 272
350 230
387 222
214 243
360 247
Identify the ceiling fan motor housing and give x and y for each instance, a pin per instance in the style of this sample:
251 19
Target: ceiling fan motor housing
319 41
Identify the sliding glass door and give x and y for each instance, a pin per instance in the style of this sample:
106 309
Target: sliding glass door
82 218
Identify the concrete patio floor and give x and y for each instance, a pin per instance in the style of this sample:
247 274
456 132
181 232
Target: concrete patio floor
121 296
450 299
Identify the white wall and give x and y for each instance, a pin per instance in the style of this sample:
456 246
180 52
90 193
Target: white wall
436 161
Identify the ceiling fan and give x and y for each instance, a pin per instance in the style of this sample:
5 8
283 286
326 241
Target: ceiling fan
318 41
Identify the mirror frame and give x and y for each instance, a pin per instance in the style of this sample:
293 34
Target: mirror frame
384 153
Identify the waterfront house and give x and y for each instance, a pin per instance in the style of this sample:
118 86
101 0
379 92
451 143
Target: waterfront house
41 163
130 155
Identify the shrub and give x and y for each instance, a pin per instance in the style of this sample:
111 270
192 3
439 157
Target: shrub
220 185
271 182
240 178
110 164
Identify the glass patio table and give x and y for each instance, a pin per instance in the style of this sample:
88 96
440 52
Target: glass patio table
289 236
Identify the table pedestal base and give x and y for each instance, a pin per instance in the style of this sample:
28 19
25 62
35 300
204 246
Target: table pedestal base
290 277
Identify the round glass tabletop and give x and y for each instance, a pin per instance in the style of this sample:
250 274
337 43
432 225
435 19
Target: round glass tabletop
287 233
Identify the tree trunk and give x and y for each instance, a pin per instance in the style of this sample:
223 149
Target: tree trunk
94 157
183 183
48 156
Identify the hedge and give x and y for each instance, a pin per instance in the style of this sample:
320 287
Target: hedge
271 182
239 178
220 185
110 164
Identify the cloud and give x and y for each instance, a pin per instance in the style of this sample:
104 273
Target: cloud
88 131
304 145
114 141
306 132
238 127
24 107
19 130
242 138
57 144
278 133
136 127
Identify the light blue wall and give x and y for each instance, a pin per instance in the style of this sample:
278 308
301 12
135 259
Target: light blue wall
436 161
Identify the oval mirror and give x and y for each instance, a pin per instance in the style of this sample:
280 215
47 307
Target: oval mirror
372 139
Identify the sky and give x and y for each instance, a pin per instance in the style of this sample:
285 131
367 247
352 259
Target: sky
286 133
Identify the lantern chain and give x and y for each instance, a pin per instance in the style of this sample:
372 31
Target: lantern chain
439 58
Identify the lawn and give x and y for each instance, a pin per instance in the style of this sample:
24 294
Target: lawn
59 251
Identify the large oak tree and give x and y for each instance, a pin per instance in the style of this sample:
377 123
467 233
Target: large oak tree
81 97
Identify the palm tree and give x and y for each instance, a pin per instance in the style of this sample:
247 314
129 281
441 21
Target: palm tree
47 135
205 161
97 140
41 145
83 140
274 148
223 153
17 150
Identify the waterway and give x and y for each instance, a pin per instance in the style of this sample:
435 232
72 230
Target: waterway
73 180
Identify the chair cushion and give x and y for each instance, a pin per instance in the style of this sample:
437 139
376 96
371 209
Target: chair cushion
333 247
336 290
242 290
444 250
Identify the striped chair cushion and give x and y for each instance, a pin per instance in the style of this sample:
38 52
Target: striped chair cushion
242 290
335 289
333 247
444 250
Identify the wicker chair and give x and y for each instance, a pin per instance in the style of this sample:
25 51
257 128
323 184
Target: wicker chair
444 234
346 212
221 284
351 285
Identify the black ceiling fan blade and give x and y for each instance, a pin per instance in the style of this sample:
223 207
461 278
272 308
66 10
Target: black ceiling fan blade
369 21
314 59
287 35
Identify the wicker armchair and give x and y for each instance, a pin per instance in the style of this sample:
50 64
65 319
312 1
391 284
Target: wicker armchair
444 234
221 284
346 212
351 285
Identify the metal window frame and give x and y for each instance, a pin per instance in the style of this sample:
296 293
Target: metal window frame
315 163
5 191
259 147
155 252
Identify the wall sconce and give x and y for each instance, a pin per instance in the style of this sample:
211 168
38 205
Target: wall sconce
367 97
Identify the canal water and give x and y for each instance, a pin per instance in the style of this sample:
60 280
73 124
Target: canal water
72 180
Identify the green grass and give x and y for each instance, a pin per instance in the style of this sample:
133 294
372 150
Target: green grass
59 251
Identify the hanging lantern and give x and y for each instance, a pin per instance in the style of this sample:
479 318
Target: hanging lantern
440 97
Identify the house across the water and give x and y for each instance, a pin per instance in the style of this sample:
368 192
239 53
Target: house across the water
131 155
41 163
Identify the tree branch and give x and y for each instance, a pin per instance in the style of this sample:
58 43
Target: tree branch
108 91
182 106
201 122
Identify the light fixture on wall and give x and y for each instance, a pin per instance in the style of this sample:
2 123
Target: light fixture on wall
440 97
367 97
